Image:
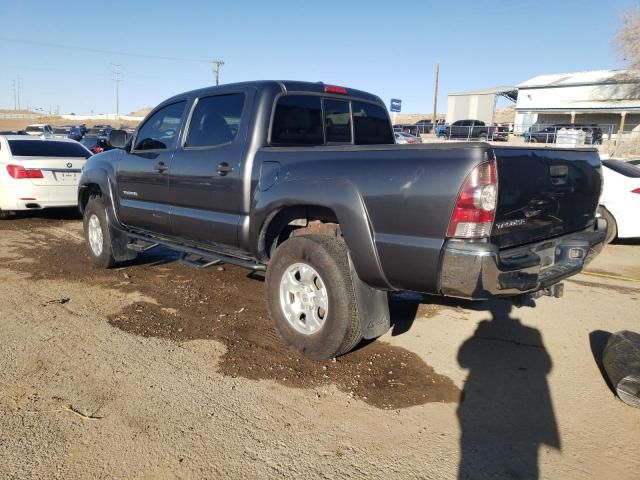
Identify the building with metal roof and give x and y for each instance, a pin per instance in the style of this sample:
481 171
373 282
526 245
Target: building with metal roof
604 97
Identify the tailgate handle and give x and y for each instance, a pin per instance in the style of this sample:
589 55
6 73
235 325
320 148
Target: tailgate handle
559 174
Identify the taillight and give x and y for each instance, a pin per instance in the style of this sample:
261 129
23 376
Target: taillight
334 89
474 211
97 149
635 190
20 173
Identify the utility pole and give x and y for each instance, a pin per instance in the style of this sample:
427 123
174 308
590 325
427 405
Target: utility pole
217 64
435 97
116 73
15 94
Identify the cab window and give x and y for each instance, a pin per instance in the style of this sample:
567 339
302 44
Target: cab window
215 120
160 131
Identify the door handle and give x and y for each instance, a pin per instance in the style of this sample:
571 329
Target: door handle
224 168
161 167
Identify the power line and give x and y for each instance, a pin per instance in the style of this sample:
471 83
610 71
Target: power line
217 64
116 72
97 50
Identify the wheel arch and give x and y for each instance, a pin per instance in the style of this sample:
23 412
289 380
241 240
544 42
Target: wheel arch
296 203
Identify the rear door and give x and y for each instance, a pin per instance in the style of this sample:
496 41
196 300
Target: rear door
544 192
142 175
60 162
206 176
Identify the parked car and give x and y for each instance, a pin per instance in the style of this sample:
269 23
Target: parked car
620 200
410 129
469 129
13 132
39 129
38 173
547 133
96 144
73 133
100 130
425 125
404 138
248 174
635 162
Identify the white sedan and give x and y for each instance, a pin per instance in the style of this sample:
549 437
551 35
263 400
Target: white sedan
37 173
620 199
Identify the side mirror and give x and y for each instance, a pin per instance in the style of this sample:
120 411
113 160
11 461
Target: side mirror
118 138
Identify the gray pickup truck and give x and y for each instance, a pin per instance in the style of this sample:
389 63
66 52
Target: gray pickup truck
304 181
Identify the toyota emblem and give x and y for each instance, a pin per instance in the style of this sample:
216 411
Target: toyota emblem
69 165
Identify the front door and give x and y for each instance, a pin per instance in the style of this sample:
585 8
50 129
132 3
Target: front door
206 178
143 174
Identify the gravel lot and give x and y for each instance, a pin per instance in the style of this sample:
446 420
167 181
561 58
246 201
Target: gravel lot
157 370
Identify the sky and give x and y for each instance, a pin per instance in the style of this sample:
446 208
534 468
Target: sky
389 48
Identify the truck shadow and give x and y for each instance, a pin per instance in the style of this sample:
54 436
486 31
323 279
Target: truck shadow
506 415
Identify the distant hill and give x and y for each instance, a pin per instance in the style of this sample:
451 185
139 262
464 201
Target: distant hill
142 112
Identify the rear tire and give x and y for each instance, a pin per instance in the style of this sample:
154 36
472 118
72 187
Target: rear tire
317 334
612 226
482 137
97 234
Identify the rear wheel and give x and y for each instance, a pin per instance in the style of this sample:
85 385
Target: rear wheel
533 140
482 137
612 227
96 233
310 296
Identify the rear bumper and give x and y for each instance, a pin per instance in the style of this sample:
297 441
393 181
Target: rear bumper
479 271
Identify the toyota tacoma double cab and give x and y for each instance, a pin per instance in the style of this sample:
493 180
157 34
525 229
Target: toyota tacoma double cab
304 181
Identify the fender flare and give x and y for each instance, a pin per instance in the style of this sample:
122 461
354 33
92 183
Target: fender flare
338 195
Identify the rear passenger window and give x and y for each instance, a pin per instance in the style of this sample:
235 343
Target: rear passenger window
215 120
371 124
337 121
297 121
160 132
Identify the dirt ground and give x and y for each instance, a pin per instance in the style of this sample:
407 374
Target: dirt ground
158 370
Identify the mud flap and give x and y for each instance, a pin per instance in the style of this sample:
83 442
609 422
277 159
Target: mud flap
372 305
119 238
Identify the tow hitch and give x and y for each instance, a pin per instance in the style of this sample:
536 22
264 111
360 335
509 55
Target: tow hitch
556 290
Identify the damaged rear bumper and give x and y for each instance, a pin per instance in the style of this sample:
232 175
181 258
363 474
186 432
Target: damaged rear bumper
479 270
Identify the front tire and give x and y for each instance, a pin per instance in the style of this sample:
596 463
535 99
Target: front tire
310 296
97 234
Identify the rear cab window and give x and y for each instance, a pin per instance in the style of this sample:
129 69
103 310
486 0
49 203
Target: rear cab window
47 148
313 120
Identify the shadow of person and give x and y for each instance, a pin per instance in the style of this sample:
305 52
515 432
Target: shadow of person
505 413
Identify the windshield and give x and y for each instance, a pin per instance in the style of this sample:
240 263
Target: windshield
47 148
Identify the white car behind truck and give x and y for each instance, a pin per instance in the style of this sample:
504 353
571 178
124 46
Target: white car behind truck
37 173
620 199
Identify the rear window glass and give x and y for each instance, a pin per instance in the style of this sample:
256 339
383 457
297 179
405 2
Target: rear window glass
35 129
298 121
371 124
337 121
47 148
622 168
61 130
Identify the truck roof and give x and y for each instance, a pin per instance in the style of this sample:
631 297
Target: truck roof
282 85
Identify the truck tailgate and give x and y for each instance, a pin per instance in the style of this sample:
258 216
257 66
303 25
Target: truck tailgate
544 192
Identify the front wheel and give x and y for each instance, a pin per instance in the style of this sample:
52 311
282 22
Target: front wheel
96 233
310 296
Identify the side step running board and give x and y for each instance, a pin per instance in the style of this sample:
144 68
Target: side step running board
191 256
197 261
